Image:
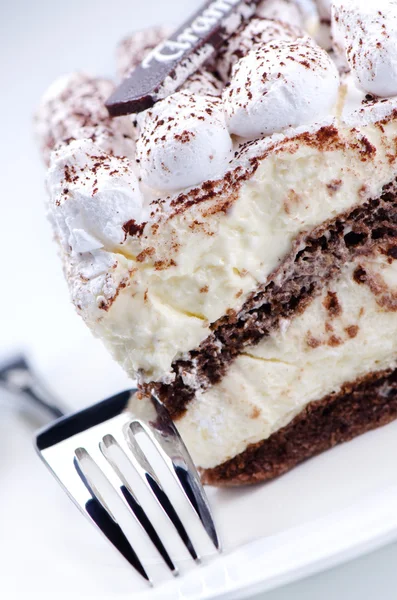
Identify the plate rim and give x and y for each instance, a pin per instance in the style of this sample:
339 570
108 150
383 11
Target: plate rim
353 531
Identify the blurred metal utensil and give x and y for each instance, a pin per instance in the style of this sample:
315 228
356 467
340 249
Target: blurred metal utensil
79 450
20 382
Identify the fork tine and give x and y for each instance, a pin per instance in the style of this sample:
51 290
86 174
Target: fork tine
133 502
170 511
164 434
150 530
103 518
148 476
115 535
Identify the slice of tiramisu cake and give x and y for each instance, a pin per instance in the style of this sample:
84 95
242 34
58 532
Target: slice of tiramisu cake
234 245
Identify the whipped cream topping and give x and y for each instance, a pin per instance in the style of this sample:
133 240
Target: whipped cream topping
370 41
338 45
132 49
95 278
94 197
324 9
323 36
203 83
281 10
184 139
249 35
319 22
279 85
74 107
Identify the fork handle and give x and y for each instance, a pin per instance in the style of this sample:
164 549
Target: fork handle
18 378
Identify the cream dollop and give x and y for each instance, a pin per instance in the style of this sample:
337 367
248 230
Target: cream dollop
203 83
74 107
133 48
184 141
370 39
281 10
324 9
322 24
248 36
93 196
279 85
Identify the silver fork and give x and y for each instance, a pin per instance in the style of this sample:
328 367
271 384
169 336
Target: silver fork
97 455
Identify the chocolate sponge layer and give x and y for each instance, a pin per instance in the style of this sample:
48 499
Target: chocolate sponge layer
359 407
315 258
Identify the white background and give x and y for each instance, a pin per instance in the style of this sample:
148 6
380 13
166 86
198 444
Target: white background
40 40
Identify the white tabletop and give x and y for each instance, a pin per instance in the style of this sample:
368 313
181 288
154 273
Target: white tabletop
371 576
41 40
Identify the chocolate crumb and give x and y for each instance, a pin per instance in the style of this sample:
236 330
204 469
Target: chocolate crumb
256 412
334 341
132 228
311 341
331 304
352 331
146 253
334 186
359 275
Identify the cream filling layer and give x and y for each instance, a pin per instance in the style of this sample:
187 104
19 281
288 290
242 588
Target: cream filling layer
308 358
203 262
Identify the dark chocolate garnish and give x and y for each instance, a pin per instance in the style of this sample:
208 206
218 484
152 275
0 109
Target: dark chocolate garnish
180 56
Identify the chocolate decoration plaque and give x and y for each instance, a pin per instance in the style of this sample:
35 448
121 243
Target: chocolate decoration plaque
167 66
